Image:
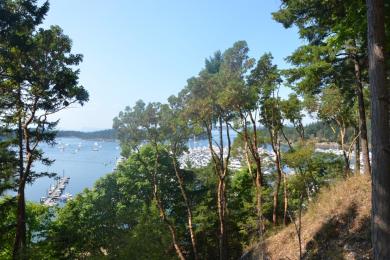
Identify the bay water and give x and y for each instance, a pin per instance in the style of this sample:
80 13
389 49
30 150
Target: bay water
84 161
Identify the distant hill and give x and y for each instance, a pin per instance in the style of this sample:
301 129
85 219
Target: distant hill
108 134
318 130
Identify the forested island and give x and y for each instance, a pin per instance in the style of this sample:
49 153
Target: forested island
107 134
260 185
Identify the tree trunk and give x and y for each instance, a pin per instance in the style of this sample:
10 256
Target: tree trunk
302 131
20 236
188 207
357 154
258 187
276 150
277 188
380 219
223 254
161 208
347 167
170 226
254 148
175 243
259 203
285 197
221 170
362 119
252 145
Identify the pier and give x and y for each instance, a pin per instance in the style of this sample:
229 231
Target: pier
55 193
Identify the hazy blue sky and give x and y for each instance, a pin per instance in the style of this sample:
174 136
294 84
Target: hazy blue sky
147 49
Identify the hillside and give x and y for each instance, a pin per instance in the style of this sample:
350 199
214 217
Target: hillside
108 134
335 226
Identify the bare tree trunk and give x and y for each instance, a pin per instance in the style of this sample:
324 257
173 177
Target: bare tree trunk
357 153
171 228
254 148
223 247
248 163
221 170
20 236
380 218
362 118
163 216
298 226
188 207
160 206
251 144
277 186
302 131
285 197
287 140
259 203
223 255
347 167
258 187
161 209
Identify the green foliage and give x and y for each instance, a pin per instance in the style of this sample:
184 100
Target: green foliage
242 204
108 134
148 240
8 163
114 217
38 79
38 220
312 171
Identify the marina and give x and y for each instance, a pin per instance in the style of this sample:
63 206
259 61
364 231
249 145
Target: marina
75 158
55 193
85 161
200 156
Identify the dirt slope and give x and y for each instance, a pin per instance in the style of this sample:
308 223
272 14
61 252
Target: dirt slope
335 226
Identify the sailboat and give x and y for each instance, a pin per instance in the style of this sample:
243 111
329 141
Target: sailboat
95 147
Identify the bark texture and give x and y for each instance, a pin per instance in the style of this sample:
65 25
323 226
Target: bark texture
188 208
380 218
362 118
221 163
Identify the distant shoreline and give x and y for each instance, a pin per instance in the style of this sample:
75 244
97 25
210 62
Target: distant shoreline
107 134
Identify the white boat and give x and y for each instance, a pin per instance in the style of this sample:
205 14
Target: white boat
65 197
95 147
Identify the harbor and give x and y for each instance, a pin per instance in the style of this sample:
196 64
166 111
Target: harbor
55 194
74 157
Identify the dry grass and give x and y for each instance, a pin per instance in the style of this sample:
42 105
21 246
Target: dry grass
335 226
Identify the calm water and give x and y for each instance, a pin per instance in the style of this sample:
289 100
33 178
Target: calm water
84 161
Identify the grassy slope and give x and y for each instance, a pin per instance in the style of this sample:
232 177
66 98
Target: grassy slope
335 226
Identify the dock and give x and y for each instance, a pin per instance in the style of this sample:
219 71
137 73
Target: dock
55 193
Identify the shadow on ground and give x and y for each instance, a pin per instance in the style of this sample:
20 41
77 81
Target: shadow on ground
341 237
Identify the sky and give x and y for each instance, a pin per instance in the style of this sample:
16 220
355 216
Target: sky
147 49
